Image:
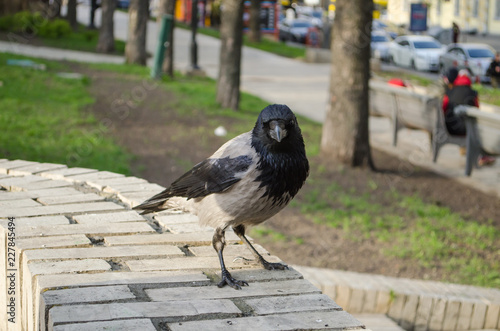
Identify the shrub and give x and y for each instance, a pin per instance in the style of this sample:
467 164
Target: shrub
56 28
34 23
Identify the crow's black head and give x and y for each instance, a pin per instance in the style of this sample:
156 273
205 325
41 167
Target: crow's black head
283 163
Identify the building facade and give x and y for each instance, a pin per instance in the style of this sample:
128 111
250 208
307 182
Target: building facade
481 16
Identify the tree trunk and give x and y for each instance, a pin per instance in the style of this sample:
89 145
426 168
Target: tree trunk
106 43
71 15
254 24
135 50
345 135
231 36
168 7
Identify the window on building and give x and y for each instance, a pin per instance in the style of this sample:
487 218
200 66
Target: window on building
457 8
475 8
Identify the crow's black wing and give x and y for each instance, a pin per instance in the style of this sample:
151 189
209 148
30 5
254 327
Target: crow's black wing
207 177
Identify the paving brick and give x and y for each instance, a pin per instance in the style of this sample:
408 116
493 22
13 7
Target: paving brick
288 287
171 219
437 314
100 184
396 308
90 229
492 316
187 263
451 315
12 183
229 250
133 199
263 275
134 324
293 303
93 176
103 252
465 315
56 267
383 302
356 301
44 185
343 295
23 222
370 301
63 173
193 278
76 240
18 203
68 209
36 168
113 311
67 199
39 193
122 216
409 311
87 295
6 166
138 187
187 227
336 320
478 316
423 313
192 238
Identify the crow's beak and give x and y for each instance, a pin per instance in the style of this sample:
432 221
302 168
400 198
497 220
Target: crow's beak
278 131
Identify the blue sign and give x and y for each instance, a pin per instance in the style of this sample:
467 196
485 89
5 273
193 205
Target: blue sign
418 17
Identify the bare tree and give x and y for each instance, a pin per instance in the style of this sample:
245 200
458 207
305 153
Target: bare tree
71 15
168 7
231 36
254 24
345 135
106 42
138 14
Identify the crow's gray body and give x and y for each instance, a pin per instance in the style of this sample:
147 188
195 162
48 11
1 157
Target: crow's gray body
245 182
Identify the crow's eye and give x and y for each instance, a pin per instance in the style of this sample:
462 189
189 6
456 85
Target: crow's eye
292 122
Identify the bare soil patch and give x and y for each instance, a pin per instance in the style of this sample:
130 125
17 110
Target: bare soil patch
166 145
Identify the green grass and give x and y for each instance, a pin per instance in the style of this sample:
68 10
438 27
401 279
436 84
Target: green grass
43 118
267 43
81 40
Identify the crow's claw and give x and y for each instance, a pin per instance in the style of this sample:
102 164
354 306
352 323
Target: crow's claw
273 266
227 279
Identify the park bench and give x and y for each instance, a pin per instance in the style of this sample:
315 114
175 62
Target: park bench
405 107
483 134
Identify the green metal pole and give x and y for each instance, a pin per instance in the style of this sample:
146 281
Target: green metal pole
166 26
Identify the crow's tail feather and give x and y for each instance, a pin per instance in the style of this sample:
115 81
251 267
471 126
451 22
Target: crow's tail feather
155 203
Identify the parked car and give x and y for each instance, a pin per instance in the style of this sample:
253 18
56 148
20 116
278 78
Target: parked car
123 4
474 57
417 52
294 30
380 42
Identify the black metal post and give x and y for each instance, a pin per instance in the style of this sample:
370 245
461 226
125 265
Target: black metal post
194 25
93 8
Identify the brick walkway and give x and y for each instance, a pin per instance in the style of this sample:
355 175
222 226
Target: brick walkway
85 261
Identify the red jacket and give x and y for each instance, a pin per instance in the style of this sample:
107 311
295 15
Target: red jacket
461 93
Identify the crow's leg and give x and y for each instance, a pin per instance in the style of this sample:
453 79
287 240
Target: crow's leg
219 241
240 232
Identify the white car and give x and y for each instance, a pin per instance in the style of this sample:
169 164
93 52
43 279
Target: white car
474 57
417 52
380 43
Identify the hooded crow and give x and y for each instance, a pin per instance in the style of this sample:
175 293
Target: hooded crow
246 181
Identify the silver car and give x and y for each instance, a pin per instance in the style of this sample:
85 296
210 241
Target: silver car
474 57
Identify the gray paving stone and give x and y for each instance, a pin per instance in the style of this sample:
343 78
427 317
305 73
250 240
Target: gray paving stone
356 301
263 275
90 229
24 222
93 176
332 320
186 263
396 308
133 199
57 267
44 185
187 227
171 219
103 252
125 325
122 216
36 168
423 313
113 311
110 182
193 278
478 316
343 295
18 203
378 322
293 303
437 316
87 295
492 317
68 209
6 166
287 287
451 315
62 173
67 199
370 301
76 240
12 183
192 238
229 250
409 313
465 315
138 187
